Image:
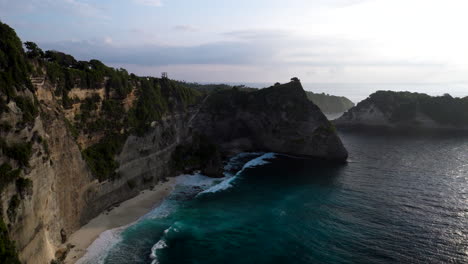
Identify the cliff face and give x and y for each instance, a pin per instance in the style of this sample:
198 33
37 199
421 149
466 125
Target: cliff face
59 178
64 193
279 119
79 137
399 110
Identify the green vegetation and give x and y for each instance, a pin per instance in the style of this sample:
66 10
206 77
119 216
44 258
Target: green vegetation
33 51
74 132
12 208
101 156
330 103
28 108
206 88
156 98
66 72
211 88
14 68
24 187
8 252
260 100
7 175
20 152
325 129
404 106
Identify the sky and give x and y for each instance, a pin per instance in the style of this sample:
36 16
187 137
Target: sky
319 41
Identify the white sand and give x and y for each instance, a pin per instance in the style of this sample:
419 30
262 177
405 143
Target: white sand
126 213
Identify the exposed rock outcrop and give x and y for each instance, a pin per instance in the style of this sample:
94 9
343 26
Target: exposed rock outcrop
279 119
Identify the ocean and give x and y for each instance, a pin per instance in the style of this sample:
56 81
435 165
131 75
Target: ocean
399 199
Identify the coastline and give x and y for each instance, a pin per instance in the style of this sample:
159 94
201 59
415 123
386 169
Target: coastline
126 213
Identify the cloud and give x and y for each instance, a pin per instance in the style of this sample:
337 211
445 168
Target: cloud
108 40
80 8
186 28
155 3
258 34
227 52
270 47
74 7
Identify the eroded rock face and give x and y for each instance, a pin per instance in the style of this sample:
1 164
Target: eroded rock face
278 119
59 176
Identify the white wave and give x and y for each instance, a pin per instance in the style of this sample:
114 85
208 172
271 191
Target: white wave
262 160
97 251
227 182
234 161
198 180
160 245
163 210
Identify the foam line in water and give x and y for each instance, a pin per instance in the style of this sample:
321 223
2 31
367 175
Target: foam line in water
97 251
227 183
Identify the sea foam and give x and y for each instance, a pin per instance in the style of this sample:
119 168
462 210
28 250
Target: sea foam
211 185
97 251
228 180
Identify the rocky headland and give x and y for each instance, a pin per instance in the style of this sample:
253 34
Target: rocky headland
78 137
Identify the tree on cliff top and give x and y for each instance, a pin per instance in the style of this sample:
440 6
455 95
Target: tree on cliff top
33 51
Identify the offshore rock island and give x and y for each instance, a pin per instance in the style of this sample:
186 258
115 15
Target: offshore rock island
78 137
406 110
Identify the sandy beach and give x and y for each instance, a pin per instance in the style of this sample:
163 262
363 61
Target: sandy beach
126 213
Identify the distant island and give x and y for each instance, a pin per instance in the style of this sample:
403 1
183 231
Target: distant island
330 104
408 110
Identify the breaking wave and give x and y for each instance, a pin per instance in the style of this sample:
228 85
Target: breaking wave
228 180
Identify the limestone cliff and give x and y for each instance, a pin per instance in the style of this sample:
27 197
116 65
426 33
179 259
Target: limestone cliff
405 110
79 137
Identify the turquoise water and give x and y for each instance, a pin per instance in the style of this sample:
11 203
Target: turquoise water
400 199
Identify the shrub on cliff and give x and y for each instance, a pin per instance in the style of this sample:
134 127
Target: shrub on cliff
29 109
24 187
7 247
20 152
101 157
33 51
12 208
7 175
